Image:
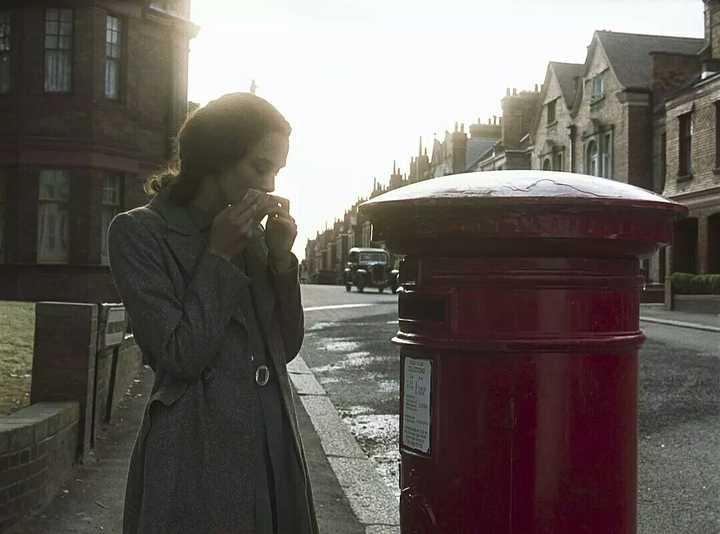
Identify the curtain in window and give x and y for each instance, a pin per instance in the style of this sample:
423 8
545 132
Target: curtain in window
111 202
113 50
58 50
593 159
53 224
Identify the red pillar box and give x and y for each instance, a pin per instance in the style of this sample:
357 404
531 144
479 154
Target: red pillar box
519 336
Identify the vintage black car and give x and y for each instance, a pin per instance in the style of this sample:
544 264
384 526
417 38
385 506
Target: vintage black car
368 267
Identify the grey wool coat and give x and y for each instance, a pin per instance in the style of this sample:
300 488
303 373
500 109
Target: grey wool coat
192 469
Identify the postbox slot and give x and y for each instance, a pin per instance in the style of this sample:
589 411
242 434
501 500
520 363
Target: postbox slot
432 308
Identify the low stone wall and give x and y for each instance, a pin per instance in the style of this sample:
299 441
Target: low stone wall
83 365
38 448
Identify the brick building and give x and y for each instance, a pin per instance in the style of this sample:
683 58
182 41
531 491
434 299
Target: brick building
691 168
92 93
513 149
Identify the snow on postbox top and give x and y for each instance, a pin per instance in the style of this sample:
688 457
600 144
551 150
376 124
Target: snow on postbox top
526 213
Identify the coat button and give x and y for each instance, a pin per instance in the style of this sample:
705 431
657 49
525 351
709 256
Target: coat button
262 375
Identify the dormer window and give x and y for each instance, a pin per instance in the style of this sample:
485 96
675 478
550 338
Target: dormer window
598 87
551 111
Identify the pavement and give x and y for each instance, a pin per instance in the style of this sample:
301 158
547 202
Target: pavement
350 496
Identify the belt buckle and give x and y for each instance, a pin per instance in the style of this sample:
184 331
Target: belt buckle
262 375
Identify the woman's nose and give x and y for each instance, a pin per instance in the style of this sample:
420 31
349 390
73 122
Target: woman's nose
267 183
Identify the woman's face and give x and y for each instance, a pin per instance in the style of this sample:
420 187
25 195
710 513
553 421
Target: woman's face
256 170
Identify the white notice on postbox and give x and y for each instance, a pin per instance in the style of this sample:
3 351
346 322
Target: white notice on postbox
417 387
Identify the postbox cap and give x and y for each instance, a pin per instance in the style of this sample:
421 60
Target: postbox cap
491 209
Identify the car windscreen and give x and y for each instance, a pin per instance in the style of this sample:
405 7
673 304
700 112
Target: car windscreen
373 257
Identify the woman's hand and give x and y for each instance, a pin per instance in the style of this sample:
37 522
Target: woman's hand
233 227
280 234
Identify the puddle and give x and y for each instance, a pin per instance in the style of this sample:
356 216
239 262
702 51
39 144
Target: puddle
355 411
378 437
389 386
380 430
340 345
353 359
320 326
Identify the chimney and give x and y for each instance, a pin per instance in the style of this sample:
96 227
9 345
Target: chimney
507 92
712 28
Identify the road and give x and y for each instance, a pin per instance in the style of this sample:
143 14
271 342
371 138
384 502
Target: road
349 350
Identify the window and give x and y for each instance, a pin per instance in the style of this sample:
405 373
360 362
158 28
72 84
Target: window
5 52
593 159
717 135
3 216
598 87
547 166
113 56
551 108
58 50
111 203
605 155
686 131
663 158
53 230
558 161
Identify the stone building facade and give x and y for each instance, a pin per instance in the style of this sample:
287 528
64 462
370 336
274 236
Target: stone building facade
554 137
92 93
692 163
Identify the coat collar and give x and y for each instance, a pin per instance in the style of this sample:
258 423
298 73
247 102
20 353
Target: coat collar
176 217
185 239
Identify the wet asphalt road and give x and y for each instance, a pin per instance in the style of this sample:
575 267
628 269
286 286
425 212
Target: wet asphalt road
349 351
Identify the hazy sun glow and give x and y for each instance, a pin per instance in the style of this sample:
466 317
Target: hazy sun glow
360 82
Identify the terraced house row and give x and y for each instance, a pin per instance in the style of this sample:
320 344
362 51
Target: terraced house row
641 109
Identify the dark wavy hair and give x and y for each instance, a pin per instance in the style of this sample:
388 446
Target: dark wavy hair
213 139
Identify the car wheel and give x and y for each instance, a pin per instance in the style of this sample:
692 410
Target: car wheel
361 289
348 288
381 289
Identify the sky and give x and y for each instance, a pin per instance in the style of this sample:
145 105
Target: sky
362 81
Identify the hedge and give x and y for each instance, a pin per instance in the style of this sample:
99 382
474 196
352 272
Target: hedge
696 284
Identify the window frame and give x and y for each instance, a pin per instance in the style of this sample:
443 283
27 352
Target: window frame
592 159
685 135
55 200
717 135
108 209
66 54
606 154
3 215
116 60
7 54
597 80
552 112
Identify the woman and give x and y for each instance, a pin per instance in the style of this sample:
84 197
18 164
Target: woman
215 305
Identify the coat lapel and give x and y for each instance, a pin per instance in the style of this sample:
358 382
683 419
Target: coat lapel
185 241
